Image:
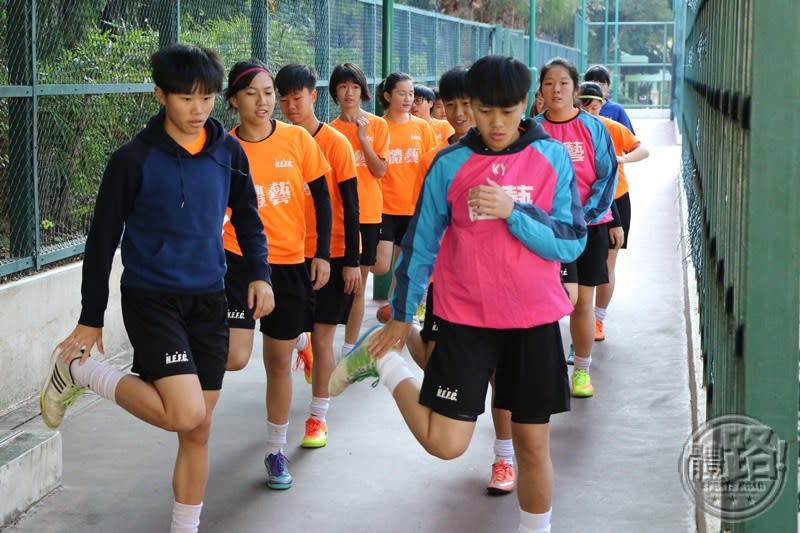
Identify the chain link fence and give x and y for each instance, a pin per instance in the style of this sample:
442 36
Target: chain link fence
74 86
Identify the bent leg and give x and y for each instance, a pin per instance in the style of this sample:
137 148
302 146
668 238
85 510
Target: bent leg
174 403
443 437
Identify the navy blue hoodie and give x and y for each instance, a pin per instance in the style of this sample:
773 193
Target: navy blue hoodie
171 206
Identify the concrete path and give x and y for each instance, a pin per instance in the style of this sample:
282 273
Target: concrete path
615 455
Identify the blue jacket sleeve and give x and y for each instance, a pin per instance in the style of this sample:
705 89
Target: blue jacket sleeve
561 234
605 159
115 197
421 243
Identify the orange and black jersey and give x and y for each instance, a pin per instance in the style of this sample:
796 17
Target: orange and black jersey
282 166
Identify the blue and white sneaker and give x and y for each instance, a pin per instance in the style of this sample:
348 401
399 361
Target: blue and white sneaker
571 355
278 476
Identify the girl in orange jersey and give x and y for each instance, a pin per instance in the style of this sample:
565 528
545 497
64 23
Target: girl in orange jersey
369 136
284 161
409 138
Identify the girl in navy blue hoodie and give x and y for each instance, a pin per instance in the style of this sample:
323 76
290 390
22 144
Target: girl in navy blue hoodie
165 193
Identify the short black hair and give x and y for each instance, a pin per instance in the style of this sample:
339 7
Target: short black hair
349 72
498 81
295 77
425 92
453 84
185 68
436 95
597 73
242 74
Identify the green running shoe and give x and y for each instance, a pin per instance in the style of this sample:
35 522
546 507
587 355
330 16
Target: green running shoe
582 384
358 365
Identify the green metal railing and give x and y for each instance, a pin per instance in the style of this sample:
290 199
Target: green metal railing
741 153
74 85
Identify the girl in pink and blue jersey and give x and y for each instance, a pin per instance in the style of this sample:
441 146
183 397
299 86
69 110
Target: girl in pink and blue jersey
499 211
592 153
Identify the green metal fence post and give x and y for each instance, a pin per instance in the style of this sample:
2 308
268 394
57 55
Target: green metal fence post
259 30
22 202
771 284
322 61
169 30
532 55
380 284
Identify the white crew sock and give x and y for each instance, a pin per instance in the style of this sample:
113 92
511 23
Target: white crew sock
319 407
185 518
600 313
583 363
101 377
302 342
392 370
534 523
346 349
276 437
504 449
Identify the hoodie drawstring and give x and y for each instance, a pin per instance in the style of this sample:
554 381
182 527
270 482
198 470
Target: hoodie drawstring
180 177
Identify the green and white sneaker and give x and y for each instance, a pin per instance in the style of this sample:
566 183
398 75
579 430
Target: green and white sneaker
59 392
358 365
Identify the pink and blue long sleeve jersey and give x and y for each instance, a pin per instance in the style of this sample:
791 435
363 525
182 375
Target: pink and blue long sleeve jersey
490 272
592 153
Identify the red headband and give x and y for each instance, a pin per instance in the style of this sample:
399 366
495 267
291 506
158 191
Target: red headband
247 71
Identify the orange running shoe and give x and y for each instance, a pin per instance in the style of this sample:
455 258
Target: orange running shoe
599 332
503 479
316 433
305 359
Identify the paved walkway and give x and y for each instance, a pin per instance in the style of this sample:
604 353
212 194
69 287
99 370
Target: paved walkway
615 455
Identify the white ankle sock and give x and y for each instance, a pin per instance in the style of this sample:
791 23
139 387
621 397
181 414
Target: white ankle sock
504 449
346 349
101 377
302 342
276 436
319 407
583 363
392 370
185 518
600 313
534 523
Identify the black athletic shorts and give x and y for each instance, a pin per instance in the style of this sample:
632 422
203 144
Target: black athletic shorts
370 233
530 372
174 334
331 304
430 326
393 227
294 299
590 267
624 208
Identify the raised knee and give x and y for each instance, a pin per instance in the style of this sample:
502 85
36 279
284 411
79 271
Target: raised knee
446 451
186 418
